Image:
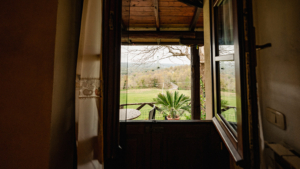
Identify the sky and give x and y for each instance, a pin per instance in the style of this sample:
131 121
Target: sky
127 57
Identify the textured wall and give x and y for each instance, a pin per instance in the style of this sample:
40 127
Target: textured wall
62 149
27 32
278 22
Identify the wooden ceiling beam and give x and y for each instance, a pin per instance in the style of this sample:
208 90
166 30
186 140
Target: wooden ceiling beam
149 43
161 34
156 13
195 19
184 41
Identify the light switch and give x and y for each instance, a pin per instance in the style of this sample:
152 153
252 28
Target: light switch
276 118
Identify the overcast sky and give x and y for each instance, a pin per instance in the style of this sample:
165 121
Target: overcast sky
128 58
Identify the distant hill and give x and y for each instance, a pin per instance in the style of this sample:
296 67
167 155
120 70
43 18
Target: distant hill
128 68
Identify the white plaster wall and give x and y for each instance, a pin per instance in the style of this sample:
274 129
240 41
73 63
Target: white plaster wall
278 22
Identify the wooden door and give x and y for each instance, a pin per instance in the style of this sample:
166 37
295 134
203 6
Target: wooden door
172 145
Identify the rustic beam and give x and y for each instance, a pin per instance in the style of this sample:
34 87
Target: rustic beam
156 14
195 18
161 34
152 28
149 43
195 86
185 41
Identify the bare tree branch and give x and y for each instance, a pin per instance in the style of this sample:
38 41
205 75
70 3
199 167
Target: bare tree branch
146 54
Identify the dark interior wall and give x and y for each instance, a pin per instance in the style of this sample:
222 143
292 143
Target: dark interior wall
278 22
62 148
27 32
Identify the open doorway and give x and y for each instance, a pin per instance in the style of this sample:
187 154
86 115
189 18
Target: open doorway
165 22
157 66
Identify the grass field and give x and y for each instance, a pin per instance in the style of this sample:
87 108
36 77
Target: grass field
230 114
147 95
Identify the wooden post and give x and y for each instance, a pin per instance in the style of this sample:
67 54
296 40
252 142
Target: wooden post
195 85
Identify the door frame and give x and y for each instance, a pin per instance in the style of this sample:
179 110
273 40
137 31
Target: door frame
111 74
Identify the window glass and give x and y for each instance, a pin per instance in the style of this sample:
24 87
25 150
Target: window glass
225 28
228 93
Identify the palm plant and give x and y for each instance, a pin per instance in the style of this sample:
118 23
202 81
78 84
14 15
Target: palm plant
173 105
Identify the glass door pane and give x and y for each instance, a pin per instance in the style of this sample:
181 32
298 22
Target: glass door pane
228 94
225 28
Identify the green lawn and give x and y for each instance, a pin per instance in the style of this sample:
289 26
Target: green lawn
229 115
147 95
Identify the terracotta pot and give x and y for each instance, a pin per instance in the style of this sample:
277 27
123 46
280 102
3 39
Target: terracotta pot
169 118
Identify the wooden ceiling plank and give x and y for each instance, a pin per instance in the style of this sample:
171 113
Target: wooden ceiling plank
177 9
175 20
137 3
175 13
138 13
172 4
138 9
195 18
155 7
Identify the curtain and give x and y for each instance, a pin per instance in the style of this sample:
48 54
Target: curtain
88 88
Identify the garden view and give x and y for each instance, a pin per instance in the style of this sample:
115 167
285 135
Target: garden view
143 81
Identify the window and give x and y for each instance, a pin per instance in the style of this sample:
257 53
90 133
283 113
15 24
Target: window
227 75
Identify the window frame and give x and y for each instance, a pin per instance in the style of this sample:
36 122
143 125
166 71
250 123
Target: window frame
234 143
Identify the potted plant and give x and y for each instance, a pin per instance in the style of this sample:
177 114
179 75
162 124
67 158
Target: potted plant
172 106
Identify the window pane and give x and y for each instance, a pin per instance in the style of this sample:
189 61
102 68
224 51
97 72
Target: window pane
228 93
225 28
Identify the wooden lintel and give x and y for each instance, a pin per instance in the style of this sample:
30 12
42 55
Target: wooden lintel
185 41
198 29
161 34
149 43
195 18
156 13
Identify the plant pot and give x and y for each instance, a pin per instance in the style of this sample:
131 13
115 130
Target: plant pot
169 118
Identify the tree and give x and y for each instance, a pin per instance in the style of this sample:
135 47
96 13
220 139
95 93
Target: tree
173 105
146 54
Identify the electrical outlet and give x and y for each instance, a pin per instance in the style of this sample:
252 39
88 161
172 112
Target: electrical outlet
276 118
